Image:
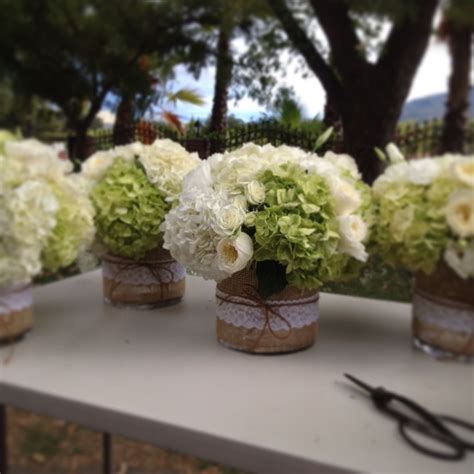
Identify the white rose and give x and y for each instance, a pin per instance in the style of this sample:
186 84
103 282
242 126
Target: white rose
240 201
423 171
460 212
463 170
353 231
228 220
255 192
394 154
346 197
234 254
460 260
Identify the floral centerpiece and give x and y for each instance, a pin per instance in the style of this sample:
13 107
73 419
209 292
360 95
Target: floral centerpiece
45 222
425 222
270 225
132 188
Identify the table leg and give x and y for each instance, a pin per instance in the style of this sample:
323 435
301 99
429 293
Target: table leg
107 461
3 440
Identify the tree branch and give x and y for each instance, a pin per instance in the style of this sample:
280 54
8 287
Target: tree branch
307 49
333 16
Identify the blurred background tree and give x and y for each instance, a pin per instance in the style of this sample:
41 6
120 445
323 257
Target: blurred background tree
74 53
368 93
457 29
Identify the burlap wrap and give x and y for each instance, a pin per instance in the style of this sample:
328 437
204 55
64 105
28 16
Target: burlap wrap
15 319
153 281
443 311
241 289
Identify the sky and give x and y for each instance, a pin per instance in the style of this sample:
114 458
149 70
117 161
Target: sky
431 78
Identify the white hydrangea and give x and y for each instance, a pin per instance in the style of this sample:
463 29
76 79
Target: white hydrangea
425 171
191 232
28 217
32 179
40 159
165 162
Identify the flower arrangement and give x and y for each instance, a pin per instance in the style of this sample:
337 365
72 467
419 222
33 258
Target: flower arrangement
302 219
132 188
425 213
45 221
425 222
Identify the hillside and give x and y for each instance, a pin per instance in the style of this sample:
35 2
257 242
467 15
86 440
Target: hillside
430 107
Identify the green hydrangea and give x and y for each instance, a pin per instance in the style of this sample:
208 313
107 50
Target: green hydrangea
74 229
129 210
297 227
411 224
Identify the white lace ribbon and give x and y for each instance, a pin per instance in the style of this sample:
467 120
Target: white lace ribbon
15 298
136 274
249 314
442 314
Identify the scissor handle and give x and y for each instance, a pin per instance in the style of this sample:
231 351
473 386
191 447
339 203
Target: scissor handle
456 450
469 445
382 399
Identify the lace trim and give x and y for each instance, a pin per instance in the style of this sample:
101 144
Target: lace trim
443 315
250 315
164 272
15 299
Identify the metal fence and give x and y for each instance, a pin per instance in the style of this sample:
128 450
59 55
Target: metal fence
414 139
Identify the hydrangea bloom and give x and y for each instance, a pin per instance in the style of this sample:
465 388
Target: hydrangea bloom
132 188
260 203
129 209
44 220
425 209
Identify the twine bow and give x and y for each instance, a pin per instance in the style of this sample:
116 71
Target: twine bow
154 268
269 312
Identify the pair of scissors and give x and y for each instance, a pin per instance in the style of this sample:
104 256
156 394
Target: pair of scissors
416 422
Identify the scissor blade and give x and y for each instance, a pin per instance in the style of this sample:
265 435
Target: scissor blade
359 383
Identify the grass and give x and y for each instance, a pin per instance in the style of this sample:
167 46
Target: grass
42 445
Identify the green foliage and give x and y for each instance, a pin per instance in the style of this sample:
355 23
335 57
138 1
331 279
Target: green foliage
189 96
129 210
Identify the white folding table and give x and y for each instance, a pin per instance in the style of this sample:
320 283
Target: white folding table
160 377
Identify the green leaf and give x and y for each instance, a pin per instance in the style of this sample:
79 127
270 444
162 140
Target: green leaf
381 155
190 96
323 138
271 278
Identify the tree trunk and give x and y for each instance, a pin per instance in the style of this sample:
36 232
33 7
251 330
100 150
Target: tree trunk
123 131
331 117
455 119
82 147
369 97
223 79
366 125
